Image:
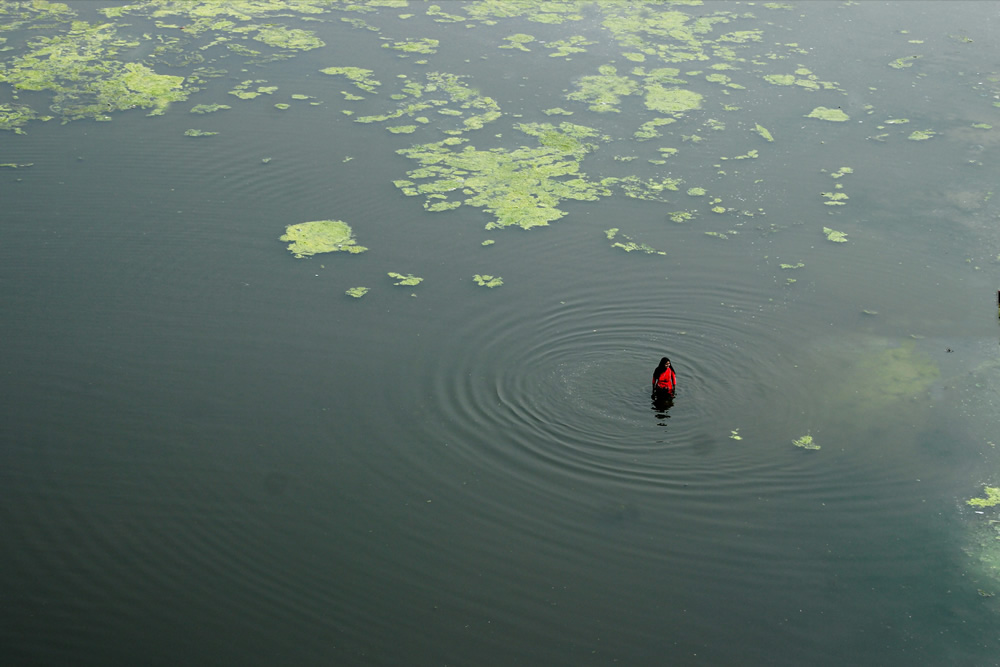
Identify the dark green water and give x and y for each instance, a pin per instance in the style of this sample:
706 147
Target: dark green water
212 455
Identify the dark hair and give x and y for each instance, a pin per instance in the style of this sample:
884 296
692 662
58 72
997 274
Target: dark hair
664 361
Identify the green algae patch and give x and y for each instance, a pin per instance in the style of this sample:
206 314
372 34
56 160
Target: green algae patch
357 292
799 265
992 498
408 279
921 135
840 173
762 131
520 187
648 130
697 192
359 76
824 113
904 62
486 280
402 129
518 41
834 198
628 244
80 67
289 38
671 100
835 236
424 45
805 442
199 133
310 238
209 108
603 92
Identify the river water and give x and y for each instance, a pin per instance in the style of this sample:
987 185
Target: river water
212 455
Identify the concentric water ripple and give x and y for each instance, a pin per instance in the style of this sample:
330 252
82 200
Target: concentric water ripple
568 389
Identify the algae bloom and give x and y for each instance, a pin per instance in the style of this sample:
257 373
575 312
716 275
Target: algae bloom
823 113
992 498
356 292
310 238
408 279
485 280
805 442
835 236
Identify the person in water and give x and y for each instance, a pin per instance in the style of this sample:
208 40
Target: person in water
664 379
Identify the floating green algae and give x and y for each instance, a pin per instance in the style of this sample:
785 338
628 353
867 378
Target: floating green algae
565 48
824 113
486 280
762 131
310 238
921 135
424 45
648 129
520 187
357 292
835 236
982 126
603 92
671 100
904 62
697 192
629 245
281 37
805 442
518 41
834 198
198 133
791 266
359 76
209 108
843 171
81 70
408 279
992 498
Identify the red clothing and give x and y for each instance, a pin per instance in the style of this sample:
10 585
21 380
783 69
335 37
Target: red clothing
667 380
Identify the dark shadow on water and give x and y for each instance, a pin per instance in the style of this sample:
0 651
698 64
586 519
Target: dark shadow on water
662 401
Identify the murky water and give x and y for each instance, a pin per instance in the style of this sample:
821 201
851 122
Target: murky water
212 455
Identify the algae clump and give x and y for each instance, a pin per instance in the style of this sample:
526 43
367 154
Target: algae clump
835 236
805 442
310 238
823 113
992 498
486 280
357 292
408 279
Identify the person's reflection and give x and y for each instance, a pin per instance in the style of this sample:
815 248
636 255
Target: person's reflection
662 402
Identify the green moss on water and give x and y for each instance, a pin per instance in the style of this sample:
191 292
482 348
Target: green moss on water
517 41
520 187
357 292
199 133
310 238
603 92
359 76
697 192
824 113
835 236
282 37
671 100
424 45
408 279
486 280
762 131
805 442
921 135
992 498
209 108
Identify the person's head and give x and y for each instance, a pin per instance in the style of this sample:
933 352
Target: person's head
664 361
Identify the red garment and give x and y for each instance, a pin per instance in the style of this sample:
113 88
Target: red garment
667 380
